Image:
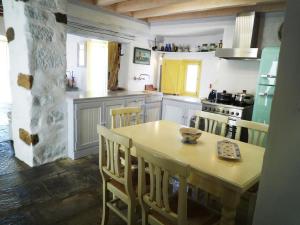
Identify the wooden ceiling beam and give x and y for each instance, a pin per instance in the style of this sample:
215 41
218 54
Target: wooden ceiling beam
89 1
220 12
108 2
197 5
136 5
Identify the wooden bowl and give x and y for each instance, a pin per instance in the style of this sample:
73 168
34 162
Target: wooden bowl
190 135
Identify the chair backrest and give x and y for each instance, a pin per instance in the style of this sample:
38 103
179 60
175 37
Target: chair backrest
256 131
156 197
111 147
211 122
121 117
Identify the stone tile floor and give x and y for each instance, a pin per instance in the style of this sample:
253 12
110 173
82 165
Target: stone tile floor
64 192
4 136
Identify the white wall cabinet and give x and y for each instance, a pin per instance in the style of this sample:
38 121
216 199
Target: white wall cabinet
87 116
153 111
173 111
179 111
84 116
138 102
107 106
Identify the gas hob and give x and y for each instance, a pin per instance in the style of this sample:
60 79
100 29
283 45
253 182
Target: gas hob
238 112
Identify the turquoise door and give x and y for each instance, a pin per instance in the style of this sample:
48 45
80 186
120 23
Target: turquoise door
265 85
268 66
263 104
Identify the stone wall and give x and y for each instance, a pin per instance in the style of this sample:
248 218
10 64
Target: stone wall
38 50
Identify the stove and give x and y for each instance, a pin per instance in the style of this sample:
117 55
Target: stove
233 112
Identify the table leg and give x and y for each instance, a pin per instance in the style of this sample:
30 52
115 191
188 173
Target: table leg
230 202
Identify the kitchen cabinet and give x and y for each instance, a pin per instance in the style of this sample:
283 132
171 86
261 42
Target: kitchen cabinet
137 102
153 111
107 106
87 116
179 111
173 111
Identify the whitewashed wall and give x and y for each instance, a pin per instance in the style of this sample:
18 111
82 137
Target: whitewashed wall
141 31
230 75
72 64
129 70
38 50
2 29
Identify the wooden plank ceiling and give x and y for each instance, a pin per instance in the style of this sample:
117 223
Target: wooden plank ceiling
167 10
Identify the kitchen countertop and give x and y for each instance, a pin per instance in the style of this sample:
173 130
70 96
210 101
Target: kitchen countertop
81 95
183 99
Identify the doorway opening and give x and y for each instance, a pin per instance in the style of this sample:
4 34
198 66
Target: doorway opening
5 92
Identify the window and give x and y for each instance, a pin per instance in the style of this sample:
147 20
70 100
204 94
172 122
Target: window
81 55
97 66
181 77
191 78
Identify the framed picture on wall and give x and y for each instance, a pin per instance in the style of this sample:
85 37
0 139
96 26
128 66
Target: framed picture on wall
142 56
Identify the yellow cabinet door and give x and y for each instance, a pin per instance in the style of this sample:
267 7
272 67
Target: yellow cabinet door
170 76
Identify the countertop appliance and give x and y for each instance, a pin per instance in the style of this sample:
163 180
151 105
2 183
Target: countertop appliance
243 99
266 85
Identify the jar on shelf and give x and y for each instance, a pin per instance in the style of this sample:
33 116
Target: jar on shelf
212 47
204 48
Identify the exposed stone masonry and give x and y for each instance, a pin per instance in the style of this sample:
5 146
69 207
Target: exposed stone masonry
46 56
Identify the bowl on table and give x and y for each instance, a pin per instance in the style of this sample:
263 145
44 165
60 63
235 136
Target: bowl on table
190 135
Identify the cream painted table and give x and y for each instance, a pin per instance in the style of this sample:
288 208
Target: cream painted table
227 180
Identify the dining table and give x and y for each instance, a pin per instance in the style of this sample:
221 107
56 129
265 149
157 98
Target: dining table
228 180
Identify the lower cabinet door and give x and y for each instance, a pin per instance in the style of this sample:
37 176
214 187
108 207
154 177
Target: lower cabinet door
191 111
87 117
107 106
174 111
153 112
137 102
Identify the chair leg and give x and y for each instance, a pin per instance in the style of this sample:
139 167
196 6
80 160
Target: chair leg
131 214
105 209
144 217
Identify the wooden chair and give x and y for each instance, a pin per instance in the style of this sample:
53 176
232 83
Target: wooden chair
159 207
117 178
211 122
257 132
121 117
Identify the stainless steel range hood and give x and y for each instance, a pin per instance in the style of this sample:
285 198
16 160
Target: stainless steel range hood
244 40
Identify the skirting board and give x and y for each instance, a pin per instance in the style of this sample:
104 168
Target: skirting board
83 153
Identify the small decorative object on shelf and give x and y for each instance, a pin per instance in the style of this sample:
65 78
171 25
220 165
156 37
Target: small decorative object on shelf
204 48
221 44
212 47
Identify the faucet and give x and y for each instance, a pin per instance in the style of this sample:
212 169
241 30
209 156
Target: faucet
141 76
